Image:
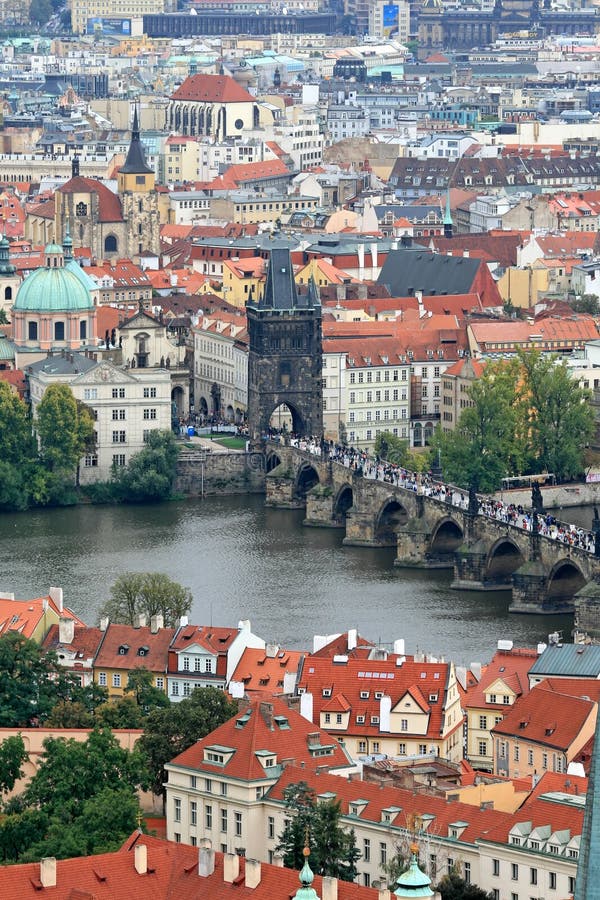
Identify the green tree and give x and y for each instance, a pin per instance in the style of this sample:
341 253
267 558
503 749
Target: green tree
150 475
31 681
40 11
586 303
19 828
557 415
391 448
453 887
65 428
170 731
487 444
18 450
72 772
144 692
149 594
12 757
3 317
333 850
69 714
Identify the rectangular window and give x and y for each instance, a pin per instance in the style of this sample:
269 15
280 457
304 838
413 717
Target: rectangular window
149 392
238 824
483 723
516 754
382 853
118 459
271 827
496 867
530 757
533 876
102 679
150 413
223 789
177 809
367 850
193 813
116 680
223 820
208 816
118 393
118 437
514 872
468 872
208 785
483 748
552 880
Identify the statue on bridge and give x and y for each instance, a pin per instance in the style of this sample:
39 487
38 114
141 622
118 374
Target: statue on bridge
537 501
596 532
473 501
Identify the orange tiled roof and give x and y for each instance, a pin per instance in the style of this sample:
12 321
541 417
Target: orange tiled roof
24 616
143 648
212 89
109 204
260 672
509 666
546 717
268 726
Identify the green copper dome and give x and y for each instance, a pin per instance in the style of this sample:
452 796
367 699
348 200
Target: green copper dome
414 882
53 288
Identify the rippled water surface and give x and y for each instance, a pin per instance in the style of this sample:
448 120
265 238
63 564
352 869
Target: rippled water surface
242 560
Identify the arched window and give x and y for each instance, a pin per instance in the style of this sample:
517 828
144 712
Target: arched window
8 293
59 331
110 244
82 330
81 210
32 331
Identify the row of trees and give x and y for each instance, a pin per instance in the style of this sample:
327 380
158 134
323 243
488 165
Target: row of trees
39 460
527 416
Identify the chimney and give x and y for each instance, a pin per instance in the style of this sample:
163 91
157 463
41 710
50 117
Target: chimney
66 631
385 713
56 594
399 646
231 867
156 623
373 256
352 639
183 621
271 651
266 711
252 875
206 862
140 620
306 706
278 861
384 893
48 871
329 888
466 254
104 623
141 859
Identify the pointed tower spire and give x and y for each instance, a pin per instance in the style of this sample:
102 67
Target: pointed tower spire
448 224
67 242
587 882
135 163
306 891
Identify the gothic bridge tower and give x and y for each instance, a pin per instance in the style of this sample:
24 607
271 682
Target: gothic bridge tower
285 352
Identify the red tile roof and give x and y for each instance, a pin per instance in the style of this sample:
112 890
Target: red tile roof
172 874
145 649
326 678
212 89
546 717
270 726
509 666
24 616
260 672
109 205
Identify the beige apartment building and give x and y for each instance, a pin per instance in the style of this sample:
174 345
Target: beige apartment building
82 10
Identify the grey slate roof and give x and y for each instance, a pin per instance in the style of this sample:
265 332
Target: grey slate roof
574 660
280 288
70 364
406 271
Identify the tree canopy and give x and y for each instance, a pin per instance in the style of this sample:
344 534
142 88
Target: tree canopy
148 594
41 681
528 416
333 849
170 731
150 475
454 887
18 451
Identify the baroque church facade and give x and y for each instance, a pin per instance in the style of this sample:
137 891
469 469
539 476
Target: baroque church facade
113 225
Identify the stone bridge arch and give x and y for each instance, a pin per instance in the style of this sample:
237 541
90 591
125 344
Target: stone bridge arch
392 515
306 479
504 558
446 537
343 502
272 460
564 580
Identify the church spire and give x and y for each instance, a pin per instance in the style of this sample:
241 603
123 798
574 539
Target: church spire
135 163
587 883
67 243
307 891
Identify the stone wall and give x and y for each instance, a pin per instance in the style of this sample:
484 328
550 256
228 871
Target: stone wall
202 472
559 497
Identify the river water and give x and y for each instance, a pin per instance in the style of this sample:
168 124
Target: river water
244 561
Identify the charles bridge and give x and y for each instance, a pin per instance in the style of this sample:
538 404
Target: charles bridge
545 575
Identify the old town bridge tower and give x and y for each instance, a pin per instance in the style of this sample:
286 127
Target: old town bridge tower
285 352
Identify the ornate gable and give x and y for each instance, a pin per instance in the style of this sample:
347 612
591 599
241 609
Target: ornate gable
105 372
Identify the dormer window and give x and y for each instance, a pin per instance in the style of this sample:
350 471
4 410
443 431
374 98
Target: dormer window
123 649
378 695
364 695
143 651
327 692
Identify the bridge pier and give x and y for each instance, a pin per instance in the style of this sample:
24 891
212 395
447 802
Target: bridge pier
281 491
470 567
320 508
413 547
587 608
530 590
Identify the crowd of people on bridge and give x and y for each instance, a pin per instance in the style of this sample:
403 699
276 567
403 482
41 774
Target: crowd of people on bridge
365 465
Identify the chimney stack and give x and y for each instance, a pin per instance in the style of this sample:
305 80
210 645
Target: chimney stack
140 620
48 871
329 888
278 861
384 893
231 867
104 623
206 862
266 711
66 631
141 859
56 594
252 879
156 623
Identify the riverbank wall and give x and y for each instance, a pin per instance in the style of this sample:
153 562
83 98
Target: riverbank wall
560 496
202 473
